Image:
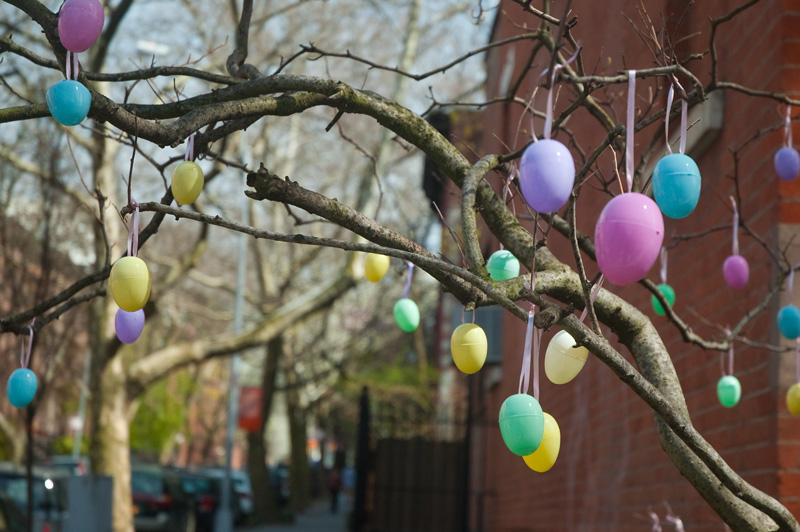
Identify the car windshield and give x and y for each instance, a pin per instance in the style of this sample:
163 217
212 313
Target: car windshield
197 485
146 483
16 487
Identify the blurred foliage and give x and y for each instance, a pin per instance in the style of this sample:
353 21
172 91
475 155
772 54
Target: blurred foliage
63 445
161 414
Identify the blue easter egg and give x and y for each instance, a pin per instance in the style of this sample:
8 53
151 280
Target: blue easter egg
69 102
676 185
787 163
21 387
789 321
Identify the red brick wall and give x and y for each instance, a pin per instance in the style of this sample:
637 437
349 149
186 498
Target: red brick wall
611 467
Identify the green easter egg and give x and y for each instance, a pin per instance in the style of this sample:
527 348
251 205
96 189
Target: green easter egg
521 424
729 391
669 295
502 265
406 314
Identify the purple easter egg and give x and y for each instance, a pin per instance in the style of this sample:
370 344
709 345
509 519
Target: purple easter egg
787 163
628 237
79 24
546 175
736 271
129 325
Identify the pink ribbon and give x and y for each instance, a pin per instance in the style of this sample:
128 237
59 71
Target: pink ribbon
730 357
407 288
525 374
548 120
787 128
133 232
593 296
629 128
25 355
507 191
797 359
735 227
72 66
663 265
656 521
676 522
190 148
684 113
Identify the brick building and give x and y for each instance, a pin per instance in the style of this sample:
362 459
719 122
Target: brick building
611 468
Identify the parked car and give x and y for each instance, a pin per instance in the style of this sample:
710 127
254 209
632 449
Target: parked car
204 491
11 519
159 501
242 500
49 495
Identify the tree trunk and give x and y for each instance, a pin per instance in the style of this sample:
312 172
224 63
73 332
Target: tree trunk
299 470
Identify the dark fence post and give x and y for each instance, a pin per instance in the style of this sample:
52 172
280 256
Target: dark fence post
362 464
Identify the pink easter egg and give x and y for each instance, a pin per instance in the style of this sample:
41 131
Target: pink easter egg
79 24
628 237
736 271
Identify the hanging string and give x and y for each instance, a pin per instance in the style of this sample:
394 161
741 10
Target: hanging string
663 265
463 311
797 359
72 66
409 275
593 296
133 232
537 342
787 128
676 522
629 128
730 357
508 192
190 148
525 374
684 115
548 120
735 227
656 521
25 355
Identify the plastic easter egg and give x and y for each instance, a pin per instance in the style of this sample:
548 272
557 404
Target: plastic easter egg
502 265
793 399
21 387
128 325
521 424
729 391
375 267
789 321
563 360
669 295
469 346
546 175
406 314
628 238
187 182
676 185
787 163
79 24
68 102
736 271
545 456
129 283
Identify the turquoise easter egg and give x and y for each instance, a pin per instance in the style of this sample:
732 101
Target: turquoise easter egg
521 424
789 321
69 102
676 185
502 265
21 387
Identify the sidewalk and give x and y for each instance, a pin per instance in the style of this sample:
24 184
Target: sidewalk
317 519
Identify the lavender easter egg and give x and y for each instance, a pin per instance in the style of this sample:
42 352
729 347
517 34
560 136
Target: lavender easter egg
628 238
546 175
79 24
129 325
21 387
676 185
787 163
68 102
736 271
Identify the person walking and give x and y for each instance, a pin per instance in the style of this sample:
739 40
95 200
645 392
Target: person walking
334 487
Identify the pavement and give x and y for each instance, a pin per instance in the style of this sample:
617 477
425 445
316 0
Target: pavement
317 518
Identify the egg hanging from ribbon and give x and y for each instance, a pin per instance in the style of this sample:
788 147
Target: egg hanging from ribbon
68 102
789 321
375 267
128 325
669 295
628 237
736 271
546 175
129 283
406 314
521 424
79 24
545 456
787 163
563 360
729 391
793 399
676 185
502 265
21 387
187 182
468 345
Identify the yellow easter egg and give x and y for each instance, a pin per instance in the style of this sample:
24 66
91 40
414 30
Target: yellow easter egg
129 283
562 360
376 267
187 182
545 456
468 345
793 399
